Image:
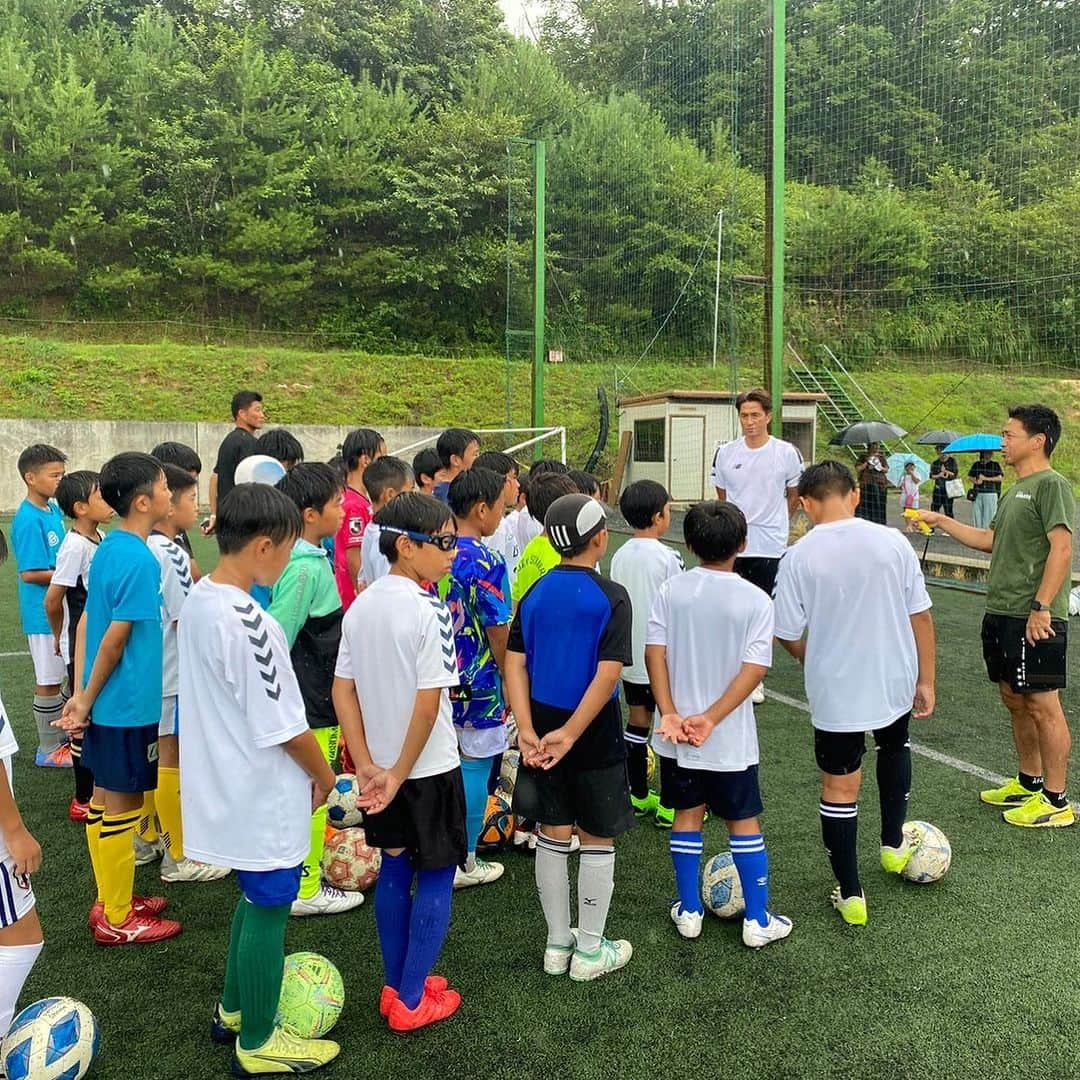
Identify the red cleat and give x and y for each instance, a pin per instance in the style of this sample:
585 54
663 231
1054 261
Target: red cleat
140 905
137 929
79 811
434 1006
433 984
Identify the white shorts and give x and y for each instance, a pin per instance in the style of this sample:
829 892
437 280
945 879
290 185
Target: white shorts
49 669
16 894
169 724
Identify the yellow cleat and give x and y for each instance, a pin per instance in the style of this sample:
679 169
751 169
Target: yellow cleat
1011 793
1038 812
284 1053
852 908
894 860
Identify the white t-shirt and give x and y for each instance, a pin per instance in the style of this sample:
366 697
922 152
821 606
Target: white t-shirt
641 566
711 622
72 567
175 586
504 540
373 563
528 528
757 482
397 639
8 749
853 586
246 803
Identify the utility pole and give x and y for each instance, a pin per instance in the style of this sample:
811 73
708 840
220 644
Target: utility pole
775 119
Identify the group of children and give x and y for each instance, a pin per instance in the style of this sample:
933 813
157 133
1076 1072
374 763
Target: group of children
413 612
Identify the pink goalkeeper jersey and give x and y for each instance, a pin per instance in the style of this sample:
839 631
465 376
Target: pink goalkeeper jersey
351 535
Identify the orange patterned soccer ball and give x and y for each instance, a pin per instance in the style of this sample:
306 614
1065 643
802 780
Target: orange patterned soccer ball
349 862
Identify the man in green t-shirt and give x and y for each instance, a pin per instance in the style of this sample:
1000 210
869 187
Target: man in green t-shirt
1027 608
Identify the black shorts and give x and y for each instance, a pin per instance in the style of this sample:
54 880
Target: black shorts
598 800
758 571
639 695
427 819
122 759
1027 669
733 796
839 753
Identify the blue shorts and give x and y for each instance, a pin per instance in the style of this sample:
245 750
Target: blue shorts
123 760
270 888
733 796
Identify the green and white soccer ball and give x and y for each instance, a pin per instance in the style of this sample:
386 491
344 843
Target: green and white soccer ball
721 890
933 856
312 995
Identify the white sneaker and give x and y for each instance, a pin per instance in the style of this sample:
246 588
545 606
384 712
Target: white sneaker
148 851
557 957
190 870
758 696
327 901
756 936
612 955
688 923
482 873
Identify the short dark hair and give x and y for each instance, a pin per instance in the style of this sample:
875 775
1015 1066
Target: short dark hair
1039 420
714 531
179 454
179 480
757 395
382 473
584 481
497 462
453 442
244 399
38 456
544 490
547 467
426 463
642 501
311 485
75 487
826 478
412 511
282 445
337 463
362 442
474 486
253 510
126 476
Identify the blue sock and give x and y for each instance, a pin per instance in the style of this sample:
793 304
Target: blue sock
752 864
686 848
427 929
474 775
393 907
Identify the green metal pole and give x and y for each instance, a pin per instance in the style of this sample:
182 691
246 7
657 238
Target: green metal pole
776 240
538 298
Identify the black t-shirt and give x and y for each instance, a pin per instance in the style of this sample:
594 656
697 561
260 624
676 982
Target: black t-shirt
948 464
236 446
985 468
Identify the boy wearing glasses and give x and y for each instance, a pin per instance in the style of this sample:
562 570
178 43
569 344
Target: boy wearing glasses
391 699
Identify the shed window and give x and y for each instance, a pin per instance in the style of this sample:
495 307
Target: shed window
649 440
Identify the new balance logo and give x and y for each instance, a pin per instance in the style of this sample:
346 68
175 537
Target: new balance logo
252 620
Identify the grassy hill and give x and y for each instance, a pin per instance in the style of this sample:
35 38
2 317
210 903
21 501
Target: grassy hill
193 382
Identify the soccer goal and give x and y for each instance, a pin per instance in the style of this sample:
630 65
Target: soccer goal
508 440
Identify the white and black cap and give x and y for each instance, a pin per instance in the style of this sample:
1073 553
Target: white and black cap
572 520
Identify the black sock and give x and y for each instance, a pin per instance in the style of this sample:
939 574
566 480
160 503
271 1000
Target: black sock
637 760
839 829
84 778
1057 798
1032 783
894 787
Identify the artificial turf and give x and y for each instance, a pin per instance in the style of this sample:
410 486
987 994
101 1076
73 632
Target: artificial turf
972 977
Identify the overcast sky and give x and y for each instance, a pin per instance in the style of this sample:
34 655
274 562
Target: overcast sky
516 11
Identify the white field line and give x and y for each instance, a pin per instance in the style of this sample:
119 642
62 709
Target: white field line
8 655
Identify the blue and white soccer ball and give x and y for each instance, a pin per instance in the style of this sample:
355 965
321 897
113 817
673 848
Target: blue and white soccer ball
56 1038
721 890
341 804
259 469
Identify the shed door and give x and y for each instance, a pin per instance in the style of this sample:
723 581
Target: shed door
687 458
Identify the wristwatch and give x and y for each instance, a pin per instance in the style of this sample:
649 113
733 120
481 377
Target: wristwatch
1037 605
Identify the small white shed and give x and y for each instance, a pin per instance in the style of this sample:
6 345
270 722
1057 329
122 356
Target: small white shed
674 435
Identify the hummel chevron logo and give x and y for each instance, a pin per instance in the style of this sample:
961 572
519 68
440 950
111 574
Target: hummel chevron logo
269 676
259 642
274 694
265 661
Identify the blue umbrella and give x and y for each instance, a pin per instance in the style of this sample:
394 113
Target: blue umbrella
897 463
972 444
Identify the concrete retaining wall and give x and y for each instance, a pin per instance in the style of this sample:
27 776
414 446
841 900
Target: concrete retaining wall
90 443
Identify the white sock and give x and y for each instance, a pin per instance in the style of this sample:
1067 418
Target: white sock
553 885
15 964
46 710
595 884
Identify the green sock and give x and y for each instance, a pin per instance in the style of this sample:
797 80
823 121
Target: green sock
260 962
311 878
230 993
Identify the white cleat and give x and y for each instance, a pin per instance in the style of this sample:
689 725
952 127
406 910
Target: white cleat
758 696
173 870
557 957
612 955
688 923
327 901
757 936
482 873
148 851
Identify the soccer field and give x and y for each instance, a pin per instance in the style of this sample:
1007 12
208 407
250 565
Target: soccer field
948 980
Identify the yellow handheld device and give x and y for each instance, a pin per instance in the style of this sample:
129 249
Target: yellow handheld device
921 525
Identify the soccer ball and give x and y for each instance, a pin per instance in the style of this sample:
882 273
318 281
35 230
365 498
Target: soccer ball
932 857
349 862
508 774
341 809
259 469
498 825
56 1038
312 995
721 890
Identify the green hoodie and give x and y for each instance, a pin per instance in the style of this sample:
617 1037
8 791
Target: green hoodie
305 601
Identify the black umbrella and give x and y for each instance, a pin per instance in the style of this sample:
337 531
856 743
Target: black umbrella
937 438
865 432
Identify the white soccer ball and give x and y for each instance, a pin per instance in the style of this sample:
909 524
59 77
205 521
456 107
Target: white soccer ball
721 890
259 469
341 804
933 856
54 1039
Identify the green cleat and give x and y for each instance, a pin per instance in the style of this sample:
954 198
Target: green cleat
1038 812
852 908
895 859
284 1053
644 807
665 818
1011 793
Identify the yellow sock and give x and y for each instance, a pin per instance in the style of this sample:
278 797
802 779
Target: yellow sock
116 857
311 880
168 809
148 826
93 842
